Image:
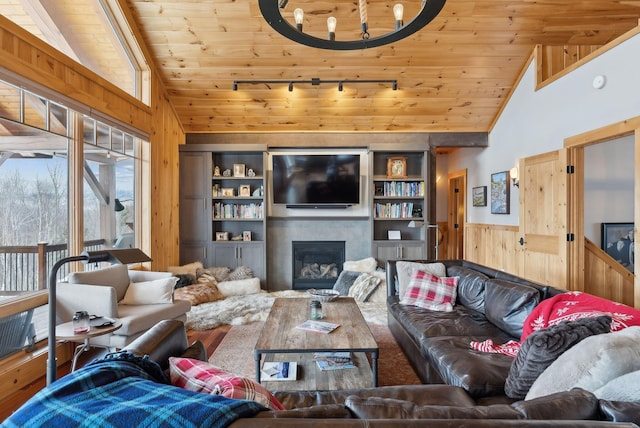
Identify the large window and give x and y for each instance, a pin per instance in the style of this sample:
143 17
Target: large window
36 143
109 191
42 158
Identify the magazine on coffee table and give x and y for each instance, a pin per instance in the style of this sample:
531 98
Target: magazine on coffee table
279 370
317 326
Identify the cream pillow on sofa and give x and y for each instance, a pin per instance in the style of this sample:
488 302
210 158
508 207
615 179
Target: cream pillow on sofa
150 292
591 363
116 276
405 270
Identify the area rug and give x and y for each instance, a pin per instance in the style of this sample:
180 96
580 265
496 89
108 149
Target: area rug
235 354
239 310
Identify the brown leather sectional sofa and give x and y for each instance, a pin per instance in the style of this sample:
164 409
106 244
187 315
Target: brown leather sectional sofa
491 304
407 406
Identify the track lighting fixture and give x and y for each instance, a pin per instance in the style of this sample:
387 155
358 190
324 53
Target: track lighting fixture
315 82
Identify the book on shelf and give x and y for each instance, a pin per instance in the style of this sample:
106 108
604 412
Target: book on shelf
317 326
279 370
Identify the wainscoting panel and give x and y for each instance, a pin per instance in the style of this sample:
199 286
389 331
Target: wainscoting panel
605 277
492 245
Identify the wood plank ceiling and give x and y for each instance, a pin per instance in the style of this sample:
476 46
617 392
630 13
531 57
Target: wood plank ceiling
453 76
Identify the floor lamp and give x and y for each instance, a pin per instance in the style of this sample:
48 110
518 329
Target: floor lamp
119 256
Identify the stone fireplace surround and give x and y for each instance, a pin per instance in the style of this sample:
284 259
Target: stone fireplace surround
282 231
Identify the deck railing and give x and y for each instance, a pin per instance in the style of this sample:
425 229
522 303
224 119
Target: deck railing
24 269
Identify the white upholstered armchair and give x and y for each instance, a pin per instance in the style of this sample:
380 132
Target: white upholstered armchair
138 299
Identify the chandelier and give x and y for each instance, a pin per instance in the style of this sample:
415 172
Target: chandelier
271 12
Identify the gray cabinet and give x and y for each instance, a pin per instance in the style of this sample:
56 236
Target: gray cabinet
402 250
195 207
250 254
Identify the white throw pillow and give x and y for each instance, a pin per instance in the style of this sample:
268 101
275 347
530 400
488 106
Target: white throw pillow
239 287
591 363
365 265
150 292
623 388
405 270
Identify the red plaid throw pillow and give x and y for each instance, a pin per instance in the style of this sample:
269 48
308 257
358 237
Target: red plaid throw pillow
200 376
430 291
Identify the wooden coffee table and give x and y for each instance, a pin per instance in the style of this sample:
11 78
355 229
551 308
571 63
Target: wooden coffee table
280 341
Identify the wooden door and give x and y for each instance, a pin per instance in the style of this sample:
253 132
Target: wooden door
456 214
543 218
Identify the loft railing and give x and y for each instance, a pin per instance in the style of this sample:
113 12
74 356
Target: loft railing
24 269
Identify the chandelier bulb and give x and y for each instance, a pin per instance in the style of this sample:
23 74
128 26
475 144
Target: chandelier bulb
398 12
331 26
298 16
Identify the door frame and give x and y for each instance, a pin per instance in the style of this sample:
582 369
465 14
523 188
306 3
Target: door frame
575 146
454 243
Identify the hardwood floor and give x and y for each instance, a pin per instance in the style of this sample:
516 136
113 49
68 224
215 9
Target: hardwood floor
210 338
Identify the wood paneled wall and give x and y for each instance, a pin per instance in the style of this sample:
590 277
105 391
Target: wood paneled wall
551 60
495 246
164 183
605 277
24 55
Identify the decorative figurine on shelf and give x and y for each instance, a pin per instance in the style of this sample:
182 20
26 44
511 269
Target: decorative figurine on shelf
226 173
216 171
251 173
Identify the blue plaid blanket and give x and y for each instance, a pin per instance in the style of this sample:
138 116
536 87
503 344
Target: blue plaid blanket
123 390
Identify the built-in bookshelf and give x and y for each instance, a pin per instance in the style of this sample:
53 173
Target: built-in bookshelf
227 200
399 204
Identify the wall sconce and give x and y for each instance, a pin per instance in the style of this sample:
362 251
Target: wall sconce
514 176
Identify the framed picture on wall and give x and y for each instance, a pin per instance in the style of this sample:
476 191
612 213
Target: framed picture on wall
618 241
500 193
479 196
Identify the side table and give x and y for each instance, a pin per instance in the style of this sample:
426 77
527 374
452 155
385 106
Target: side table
65 332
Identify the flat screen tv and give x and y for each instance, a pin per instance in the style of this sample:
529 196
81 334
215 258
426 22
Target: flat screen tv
316 180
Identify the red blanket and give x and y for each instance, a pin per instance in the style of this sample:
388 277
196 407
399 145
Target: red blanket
565 307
